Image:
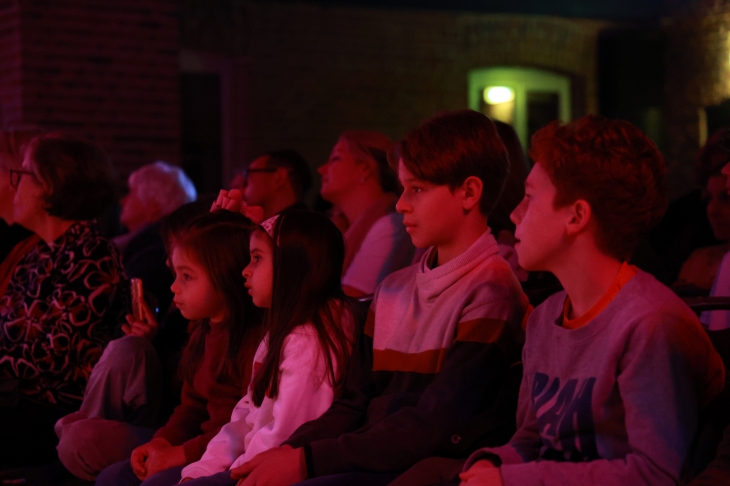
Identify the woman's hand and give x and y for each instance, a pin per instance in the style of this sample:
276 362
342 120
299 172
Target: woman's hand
482 473
146 328
155 456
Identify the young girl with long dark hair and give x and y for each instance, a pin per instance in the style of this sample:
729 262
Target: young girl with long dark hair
295 270
207 258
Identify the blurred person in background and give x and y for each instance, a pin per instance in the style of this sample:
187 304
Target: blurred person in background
359 183
502 226
155 190
697 274
276 181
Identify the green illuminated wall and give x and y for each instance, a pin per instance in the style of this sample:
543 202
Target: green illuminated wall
522 81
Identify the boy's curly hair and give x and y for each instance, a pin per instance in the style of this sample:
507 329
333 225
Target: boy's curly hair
613 166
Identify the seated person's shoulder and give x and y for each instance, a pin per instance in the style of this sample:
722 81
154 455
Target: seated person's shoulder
101 247
646 296
698 271
651 310
494 279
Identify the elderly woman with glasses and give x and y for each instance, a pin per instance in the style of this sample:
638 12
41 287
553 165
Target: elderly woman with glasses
64 298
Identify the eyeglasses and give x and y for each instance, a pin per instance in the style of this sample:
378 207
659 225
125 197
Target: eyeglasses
246 171
15 176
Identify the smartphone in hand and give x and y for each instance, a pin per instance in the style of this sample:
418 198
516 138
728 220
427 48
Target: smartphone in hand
137 299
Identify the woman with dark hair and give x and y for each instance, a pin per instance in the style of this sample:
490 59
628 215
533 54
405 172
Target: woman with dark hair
358 181
64 298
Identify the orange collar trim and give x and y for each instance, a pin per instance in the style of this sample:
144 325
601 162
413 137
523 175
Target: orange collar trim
625 273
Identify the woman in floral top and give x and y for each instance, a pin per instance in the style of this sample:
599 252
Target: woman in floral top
65 297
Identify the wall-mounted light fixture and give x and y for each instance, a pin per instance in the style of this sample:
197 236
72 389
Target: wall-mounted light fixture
495 95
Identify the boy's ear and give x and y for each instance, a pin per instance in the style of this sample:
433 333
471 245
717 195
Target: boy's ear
581 216
472 188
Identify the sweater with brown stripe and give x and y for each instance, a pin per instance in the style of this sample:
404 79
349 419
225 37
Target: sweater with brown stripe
430 363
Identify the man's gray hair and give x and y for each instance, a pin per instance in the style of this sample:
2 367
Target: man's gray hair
164 184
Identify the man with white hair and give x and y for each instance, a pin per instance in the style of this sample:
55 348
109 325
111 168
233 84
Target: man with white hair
155 190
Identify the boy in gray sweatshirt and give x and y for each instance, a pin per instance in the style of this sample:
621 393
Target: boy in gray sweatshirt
616 367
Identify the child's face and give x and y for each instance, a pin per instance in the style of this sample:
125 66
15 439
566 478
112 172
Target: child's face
431 212
195 295
540 231
259 273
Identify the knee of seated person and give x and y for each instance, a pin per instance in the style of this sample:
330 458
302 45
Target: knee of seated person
127 348
119 474
75 445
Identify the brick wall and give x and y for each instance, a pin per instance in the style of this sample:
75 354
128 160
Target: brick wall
104 69
698 75
109 70
315 71
11 106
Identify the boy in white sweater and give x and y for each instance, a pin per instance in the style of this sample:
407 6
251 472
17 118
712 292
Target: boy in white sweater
441 334
616 367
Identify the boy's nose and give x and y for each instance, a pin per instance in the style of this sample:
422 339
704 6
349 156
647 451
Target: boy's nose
516 215
401 206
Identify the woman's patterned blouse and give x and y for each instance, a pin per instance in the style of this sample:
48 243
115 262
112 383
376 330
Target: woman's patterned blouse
63 303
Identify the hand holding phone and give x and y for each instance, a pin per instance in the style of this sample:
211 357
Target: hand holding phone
141 322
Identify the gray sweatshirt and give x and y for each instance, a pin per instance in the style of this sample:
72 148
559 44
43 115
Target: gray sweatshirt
614 402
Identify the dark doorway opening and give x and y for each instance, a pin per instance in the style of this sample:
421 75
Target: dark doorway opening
542 108
200 102
718 116
631 76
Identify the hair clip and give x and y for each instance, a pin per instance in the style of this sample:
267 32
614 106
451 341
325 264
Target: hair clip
269 224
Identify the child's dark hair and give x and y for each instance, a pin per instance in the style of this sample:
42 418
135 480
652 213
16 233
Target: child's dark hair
219 242
308 257
452 146
613 166
180 220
